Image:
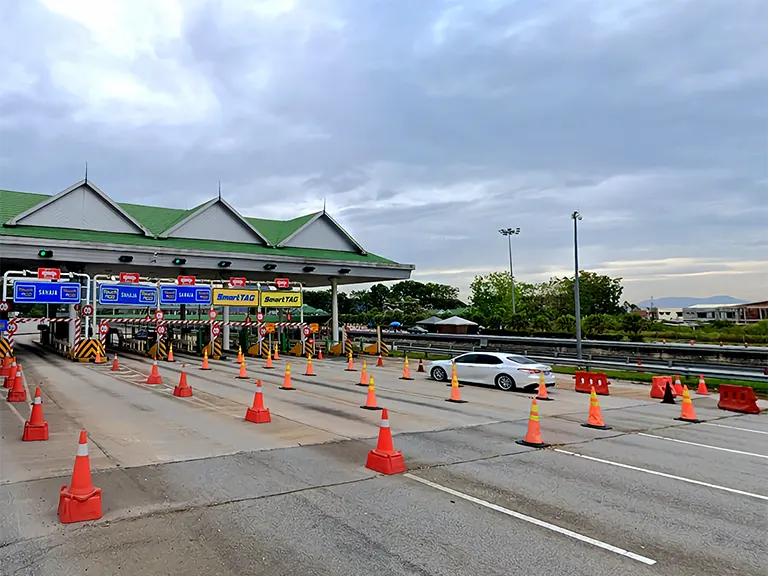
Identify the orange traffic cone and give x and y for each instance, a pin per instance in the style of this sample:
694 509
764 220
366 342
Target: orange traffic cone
380 362
687 413
455 394
239 354
81 502
5 366
258 414
421 366
115 365
319 353
678 387
702 390
287 384
384 459
454 376
276 356
154 376
309 371
542 393
351 364
364 375
268 365
370 401
182 389
406 371
242 375
205 361
533 436
36 428
97 360
170 354
9 380
595 418
17 393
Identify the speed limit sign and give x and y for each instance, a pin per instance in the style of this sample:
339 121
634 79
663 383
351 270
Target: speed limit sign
161 330
212 314
305 330
87 310
159 315
216 331
12 327
263 331
103 328
4 306
260 317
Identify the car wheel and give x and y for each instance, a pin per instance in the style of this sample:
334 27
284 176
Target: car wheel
505 382
439 374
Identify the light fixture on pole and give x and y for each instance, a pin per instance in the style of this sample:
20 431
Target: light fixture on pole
577 301
509 232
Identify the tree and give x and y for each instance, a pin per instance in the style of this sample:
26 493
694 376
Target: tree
632 323
491 297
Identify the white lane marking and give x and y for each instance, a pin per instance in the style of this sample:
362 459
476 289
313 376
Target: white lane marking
663 474
734 427
703 445
536 521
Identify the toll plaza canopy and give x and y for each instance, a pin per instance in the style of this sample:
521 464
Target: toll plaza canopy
83 230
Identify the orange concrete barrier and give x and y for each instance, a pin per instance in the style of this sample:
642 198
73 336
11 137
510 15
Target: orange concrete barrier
586 380
659 384
738 399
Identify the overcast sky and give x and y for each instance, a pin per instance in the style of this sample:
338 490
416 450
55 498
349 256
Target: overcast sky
427 125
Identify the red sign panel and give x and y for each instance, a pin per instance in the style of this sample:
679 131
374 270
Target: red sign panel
260 317
185 280
282 283
237 282
49 273
288 317
130 277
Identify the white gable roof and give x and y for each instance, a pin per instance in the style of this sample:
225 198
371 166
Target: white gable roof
216 220
457 321
82 206
322 232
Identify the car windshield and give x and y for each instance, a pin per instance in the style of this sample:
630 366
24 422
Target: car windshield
521 360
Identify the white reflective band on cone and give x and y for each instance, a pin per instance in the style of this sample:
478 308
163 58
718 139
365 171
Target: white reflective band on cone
82 449
37 400
385 423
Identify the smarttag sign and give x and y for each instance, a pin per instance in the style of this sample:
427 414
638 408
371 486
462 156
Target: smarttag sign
232 297
119 295
46 292
174 294
281 299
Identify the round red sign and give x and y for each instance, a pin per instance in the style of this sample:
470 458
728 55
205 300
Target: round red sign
212 314
4 306
87 310
159 315
103 328
260 317
263 331
161 330
216 330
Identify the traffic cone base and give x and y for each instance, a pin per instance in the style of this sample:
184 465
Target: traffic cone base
404 378
596 427
36 428
459 401
370 407
385 463
532 444
258 416
691 420
81 501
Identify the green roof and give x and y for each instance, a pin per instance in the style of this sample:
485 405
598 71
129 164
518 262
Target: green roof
157 220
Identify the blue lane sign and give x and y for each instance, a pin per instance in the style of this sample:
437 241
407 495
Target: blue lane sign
46 292
121 295
3 325
174 294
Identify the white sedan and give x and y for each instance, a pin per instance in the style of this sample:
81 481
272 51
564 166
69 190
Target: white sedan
505 371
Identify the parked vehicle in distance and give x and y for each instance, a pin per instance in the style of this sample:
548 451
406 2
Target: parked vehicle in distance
417 330
503 370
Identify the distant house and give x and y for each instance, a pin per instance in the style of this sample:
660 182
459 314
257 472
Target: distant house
739 313
456 325
430 322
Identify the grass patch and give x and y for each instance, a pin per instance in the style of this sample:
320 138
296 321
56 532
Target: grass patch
646 377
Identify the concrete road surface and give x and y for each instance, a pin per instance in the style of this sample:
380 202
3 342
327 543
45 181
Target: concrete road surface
190 488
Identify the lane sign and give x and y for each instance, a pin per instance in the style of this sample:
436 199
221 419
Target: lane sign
49 273
235 297
282 283
305 331
212 314
315 328
130 277
173 294
3 325
260 317
117 294
216 331
12 327
103 328
185 280
270 326
159 315
263 331
46 292
237 282
4 306
161 330
87 310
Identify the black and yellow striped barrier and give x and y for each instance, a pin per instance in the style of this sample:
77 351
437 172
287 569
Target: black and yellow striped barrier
5 348
87 349
218 350
159 350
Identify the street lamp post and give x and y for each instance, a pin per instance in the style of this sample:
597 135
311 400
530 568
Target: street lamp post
509 232
577 302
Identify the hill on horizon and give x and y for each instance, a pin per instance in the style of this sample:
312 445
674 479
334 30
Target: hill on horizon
686 301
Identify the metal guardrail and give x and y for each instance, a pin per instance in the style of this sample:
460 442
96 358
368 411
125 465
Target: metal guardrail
681 369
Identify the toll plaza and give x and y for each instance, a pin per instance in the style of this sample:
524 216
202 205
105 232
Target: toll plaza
150 278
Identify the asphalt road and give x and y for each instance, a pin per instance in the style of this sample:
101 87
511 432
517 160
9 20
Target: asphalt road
189 488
